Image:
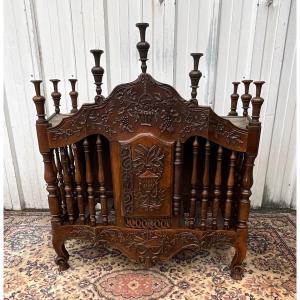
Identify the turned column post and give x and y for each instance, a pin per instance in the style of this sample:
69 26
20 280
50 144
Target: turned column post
50 175
142 45
195 76
234 99
74 95
246 97
97 72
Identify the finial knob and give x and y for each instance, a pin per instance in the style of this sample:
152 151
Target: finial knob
195 76
98 72
56 95
257 102
143 46
39 101
74 95
234 99
246 97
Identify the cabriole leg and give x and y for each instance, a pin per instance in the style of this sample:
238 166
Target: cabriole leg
62 254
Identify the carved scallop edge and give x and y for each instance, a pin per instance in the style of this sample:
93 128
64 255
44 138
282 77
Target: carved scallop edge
162 244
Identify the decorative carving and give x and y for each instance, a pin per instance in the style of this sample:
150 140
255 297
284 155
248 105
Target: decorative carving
152 105
148 168
143 223
150 246
127 181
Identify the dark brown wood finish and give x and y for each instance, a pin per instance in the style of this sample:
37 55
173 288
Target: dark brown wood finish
147 155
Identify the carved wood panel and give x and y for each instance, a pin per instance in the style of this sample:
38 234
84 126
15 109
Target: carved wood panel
146 105
146 177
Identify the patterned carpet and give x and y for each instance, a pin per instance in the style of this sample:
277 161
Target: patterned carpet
103 273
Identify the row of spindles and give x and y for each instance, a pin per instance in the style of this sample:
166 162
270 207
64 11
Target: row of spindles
216 193
75 180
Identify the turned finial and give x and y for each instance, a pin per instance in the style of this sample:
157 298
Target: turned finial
246 97
39 101
74 95
98 72
56 95
234 99
257 102
143 46
195 76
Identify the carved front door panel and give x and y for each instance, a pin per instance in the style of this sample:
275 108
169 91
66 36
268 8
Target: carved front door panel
146 177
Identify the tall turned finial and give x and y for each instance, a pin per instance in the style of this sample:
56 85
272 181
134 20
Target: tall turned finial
143 46
74 95
98 72
246 97
234 99
39 101
195 76
56 95
257 101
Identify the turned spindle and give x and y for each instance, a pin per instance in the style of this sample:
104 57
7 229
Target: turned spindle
257 102
142 45
178 163
61 185
195 76
39 101
194 183
74 95
78 181
229 194
56 95
89 181
234 99
205 191
68 184
97 72
217 188
101 180
246 97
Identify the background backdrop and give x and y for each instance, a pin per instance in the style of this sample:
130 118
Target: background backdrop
240 39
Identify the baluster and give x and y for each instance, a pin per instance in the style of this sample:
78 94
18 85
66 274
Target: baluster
74 95
257 102
71 161
56 181
101 179
229 194
234 99
246 97
195 76
217 188
56 95
247 182
61 185
205 191
177 178
97 72
194 183
89 181
49 174
78 181
142 45
68 184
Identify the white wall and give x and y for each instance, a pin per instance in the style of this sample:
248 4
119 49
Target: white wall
240 39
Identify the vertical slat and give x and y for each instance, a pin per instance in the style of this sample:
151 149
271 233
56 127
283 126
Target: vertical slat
101 179
229 194
68 184
89 181
217 188
205 191
177 178
78 181
193 183
61 186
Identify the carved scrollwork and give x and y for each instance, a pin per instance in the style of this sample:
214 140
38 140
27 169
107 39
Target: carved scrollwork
143 223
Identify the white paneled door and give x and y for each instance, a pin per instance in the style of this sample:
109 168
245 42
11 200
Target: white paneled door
240 39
